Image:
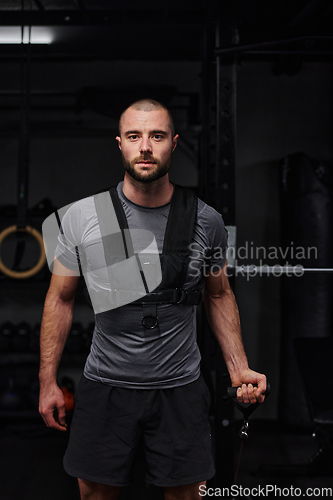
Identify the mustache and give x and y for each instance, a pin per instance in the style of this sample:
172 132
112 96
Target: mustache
145 157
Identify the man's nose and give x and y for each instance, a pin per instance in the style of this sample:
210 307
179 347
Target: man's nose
145 146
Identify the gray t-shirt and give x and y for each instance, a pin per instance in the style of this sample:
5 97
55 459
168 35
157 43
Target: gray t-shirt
123 352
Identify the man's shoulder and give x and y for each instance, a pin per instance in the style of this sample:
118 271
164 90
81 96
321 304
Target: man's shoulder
70 216
78 208
82 203
208 213
211 224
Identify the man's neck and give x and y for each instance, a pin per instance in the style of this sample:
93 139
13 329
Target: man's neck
151 194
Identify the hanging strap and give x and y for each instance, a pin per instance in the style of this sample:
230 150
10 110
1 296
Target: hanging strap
23 158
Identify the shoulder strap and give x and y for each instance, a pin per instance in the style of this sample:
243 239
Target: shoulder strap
107 218
180 225
113 238
122 221
178 236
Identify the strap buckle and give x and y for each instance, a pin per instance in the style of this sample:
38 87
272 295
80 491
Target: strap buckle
182 294
149 316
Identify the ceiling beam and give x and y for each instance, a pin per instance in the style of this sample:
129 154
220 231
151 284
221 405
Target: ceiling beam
100 17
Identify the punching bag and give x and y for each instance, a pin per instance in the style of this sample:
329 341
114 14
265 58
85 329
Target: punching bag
306 301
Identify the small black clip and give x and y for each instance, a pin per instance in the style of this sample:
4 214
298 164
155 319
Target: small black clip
149 322
243 434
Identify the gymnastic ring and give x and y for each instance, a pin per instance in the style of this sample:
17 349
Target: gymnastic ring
41 261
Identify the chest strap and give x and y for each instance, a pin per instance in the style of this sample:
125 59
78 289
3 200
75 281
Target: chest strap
177 239
172 296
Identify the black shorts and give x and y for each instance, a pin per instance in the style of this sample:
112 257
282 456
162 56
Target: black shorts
109 422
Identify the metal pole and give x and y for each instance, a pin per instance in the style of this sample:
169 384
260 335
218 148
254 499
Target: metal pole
222 189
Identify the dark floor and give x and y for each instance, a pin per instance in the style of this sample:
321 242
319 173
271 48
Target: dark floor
31 465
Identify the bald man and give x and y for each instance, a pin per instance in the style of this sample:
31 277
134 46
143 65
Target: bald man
142 380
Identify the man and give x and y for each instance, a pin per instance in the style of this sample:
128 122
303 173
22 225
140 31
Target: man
142 377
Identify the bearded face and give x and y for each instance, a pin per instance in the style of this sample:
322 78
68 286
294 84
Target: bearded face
154 169
146 143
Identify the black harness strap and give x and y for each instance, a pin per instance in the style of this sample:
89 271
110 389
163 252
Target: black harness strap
180 225
122 221
177 238
175 252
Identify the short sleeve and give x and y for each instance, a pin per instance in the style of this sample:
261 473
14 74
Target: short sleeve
61 238
69 238
217 235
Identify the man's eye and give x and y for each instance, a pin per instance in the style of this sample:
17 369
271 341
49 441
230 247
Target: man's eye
158 136
133 137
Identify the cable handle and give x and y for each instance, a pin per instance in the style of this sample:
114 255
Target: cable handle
246 408
232 391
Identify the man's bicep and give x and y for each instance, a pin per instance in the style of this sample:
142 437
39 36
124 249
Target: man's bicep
60 270
217 282
63 286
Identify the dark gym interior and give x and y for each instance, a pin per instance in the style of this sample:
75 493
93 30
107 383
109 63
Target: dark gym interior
249 84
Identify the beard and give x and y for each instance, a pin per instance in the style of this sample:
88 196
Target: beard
159 171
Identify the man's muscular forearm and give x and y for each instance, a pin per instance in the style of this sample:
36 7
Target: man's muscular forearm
56 323
223 317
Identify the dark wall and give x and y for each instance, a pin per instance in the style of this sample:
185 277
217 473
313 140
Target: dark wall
277 115
73 151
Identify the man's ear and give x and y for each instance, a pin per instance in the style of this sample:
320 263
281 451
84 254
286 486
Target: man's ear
174 142
118 139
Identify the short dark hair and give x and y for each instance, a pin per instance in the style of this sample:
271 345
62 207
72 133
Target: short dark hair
148 104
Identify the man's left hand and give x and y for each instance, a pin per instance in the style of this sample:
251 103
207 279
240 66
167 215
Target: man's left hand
247 392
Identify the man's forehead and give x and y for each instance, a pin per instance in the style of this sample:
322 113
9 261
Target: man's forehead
134 119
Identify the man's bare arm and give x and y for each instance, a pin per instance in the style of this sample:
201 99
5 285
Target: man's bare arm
223 317
55 327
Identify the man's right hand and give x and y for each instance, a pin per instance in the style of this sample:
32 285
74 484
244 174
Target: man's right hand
55 327
52 407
